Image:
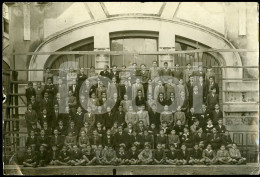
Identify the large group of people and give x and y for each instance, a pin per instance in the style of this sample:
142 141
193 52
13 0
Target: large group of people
127 117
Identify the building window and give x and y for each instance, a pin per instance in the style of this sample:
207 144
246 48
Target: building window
134 44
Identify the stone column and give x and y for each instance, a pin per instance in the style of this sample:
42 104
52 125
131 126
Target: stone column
102 59
166 43
101 43
166 58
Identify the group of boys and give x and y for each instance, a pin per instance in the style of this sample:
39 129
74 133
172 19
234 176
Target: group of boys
155 116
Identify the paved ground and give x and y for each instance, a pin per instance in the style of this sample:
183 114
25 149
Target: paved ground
136 170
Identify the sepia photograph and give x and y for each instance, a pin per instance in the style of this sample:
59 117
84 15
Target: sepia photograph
130 88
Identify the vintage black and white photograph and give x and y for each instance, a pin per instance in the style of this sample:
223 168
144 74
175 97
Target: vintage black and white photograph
130 88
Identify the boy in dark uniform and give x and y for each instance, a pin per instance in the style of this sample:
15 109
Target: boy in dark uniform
54 155
195 155
132 156
183 155
75 156
42 157
122 156
89 156
64 156
30 158
171 157
159 155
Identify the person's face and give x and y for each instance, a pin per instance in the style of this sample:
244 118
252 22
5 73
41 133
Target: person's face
42 132
29 150
86 125
46 95
209 122
172 148
188 66
32 133
217 107
185 130
150 97
133 148
114 79
211 79
169 81
177 66
161 96
161 132
44 111
220 122
75 148
67 109
195 89
143 67
30 107
178 122
120 129
49 81
159 147
200 130
83 133
115 95
81 70
39 84
234 146
123 68
70 93
139 93
200 68
93 95
192 110
165 108
125 97
191 79
98 125
108 132
87 82
141 124
72 124
89 109
121 149
203 106
152 126
160 83
92 69
58 95
105 67
181 81
147 148
145 133
166 65
173 132
95 133
183 147
154 64
172 95
201 79
214 130
130 109
182 94
222 148
55 132
64 148
130 125
45 124
138 81
196 147
120 108
226 133
99 108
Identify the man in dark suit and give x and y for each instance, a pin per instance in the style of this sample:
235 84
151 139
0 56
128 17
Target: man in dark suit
204 116
35 104
165 72
183 155
212 84
29 92
220 127
125 89
46 102
120 138
120 117
212 99
139 99
202 88
31 118
177 74
214 139
56 139
50 88
115 73
216 115
109 118
108 139
154 116
105 73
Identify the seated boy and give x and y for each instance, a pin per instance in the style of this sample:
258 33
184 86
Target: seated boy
159 155
64 156
146 156
183 155
99 155
171 157
121 156
132 156
32 140
174 139
208 155
30 158
226 139
54 155
195 155
110 156
223 156
162 139
236 155
83 139
75 156
89 156
70 140
42 156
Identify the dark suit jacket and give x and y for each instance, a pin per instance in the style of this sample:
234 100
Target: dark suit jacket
105 74
109 119
196 154
139 102
132 154
31 141
119 118
60 141
105 140
216 116
123 90
119 139
115 75
212 101
154 117
220 130
172 155
29 92
184 156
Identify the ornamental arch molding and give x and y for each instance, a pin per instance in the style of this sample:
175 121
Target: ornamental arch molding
82 31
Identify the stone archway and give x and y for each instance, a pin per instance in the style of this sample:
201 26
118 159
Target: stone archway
141 23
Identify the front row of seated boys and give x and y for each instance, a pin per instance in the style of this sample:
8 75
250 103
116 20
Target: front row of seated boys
86 155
